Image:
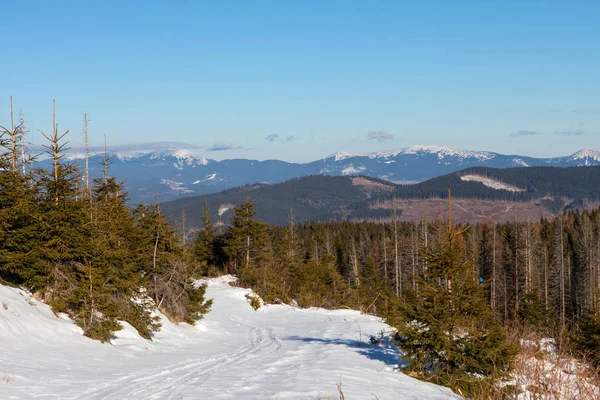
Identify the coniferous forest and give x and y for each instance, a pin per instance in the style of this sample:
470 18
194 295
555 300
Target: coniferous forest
78 246
453 292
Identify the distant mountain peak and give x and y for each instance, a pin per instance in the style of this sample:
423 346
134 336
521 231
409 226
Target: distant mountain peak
182 156
448 151
189 157
440 151
586 154
342 155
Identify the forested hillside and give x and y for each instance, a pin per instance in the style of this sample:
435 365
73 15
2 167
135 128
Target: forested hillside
533 182
312 198
534 191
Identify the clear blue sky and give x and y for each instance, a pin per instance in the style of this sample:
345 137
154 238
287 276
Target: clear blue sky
314 77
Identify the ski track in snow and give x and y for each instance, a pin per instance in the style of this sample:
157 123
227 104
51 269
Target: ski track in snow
277 352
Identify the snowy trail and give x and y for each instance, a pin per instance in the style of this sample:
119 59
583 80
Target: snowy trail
277 352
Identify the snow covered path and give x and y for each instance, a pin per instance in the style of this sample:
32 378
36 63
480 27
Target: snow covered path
277 352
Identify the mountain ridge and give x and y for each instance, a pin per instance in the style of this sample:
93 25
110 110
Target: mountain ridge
496 195
171 173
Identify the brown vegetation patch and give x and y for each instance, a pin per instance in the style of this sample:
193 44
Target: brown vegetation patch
467 210
371 185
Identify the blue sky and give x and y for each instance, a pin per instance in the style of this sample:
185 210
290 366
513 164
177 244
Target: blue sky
300 80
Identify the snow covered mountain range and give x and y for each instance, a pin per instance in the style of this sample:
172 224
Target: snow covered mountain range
171 174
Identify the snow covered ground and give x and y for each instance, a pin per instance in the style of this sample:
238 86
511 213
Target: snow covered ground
277 352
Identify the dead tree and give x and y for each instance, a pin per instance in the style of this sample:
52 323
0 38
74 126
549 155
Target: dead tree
15 139
55 150
398 276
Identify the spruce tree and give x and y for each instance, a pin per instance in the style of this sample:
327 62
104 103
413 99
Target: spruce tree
18 215
450 335
115 277
586 342
206 241
169 269
287 253
247 245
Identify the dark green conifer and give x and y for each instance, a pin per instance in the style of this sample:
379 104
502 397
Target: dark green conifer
247 245
206 241
450 335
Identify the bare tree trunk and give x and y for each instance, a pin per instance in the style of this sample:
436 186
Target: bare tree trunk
425 230
292 250
412 251
87 156
105 163
385 260
93 310
55 149
55 144
13 137
183 233
154 262
397 261
517 269
77 182
546 279
247 251
493 297
562 274
505 296
527 260
355 271
23 130
597 274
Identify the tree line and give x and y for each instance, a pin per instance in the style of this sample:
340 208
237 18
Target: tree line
78 246
452 291
537 183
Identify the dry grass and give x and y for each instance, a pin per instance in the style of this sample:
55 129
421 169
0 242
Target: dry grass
543 373
339 396
368 184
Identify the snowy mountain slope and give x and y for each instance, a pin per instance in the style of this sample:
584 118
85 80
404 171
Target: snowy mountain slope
584 157
151 173
276 352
